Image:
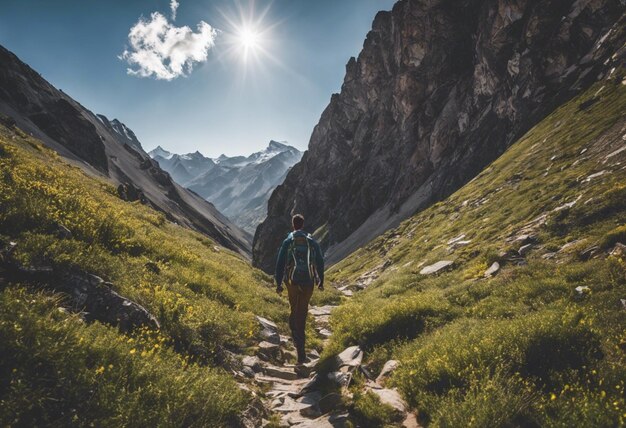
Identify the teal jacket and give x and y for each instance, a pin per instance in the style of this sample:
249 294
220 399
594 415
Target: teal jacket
282 257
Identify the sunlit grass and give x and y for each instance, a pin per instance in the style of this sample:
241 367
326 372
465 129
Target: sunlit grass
523 348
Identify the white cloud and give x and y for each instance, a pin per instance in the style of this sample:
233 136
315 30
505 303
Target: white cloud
160 49
174 6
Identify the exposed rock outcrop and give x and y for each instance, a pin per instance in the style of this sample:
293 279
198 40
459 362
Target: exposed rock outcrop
440 89
86 293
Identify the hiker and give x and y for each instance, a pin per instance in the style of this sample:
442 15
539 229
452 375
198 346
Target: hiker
301 264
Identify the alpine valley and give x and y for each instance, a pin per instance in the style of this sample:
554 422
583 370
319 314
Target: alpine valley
468 187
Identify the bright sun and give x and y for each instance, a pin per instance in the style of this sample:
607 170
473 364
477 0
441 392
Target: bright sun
248 38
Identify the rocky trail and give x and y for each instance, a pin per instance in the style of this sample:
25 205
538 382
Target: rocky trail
300 396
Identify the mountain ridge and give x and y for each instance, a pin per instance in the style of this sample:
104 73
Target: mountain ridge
239 186
439 90
104 148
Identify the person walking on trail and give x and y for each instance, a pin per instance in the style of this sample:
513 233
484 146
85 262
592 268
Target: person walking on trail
301 265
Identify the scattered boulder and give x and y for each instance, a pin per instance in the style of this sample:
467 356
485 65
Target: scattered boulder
392 398
525 249
321 310
252 362
524 239
623 301
268 351
436 267
456 239
386 371
569 245
269 330
324 332
582 290
589 252
596 175
87 293
493 269
350 357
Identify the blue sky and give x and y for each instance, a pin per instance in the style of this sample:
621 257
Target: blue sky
225 104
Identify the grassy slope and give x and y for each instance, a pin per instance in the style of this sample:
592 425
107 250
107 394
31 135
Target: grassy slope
521 347
205 298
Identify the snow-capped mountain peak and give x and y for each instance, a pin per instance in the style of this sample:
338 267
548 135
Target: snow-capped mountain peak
161 152
239 186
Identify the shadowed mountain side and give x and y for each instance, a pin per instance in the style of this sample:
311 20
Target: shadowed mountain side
440 89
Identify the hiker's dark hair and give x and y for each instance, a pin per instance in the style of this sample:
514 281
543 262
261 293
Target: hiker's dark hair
297 221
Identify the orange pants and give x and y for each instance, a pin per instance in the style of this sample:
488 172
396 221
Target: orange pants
299 296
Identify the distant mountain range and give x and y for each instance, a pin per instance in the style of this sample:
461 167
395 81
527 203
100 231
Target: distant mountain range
238 186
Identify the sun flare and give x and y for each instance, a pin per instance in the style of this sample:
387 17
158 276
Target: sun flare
248 38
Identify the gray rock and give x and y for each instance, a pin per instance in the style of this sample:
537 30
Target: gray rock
386 371
456 239
436 267
392 398
87 293
289 405
324 332
493 269
247 372
589 252
280 372
253 362
524 239
269 330
411 421
351 356
268 351
321 310
582 290
335 420
525 249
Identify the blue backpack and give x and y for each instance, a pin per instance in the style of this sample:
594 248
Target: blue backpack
300 268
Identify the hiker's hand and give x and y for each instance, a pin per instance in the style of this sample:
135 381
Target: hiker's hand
321 286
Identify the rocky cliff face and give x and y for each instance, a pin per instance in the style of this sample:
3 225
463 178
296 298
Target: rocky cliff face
105 148
440 89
